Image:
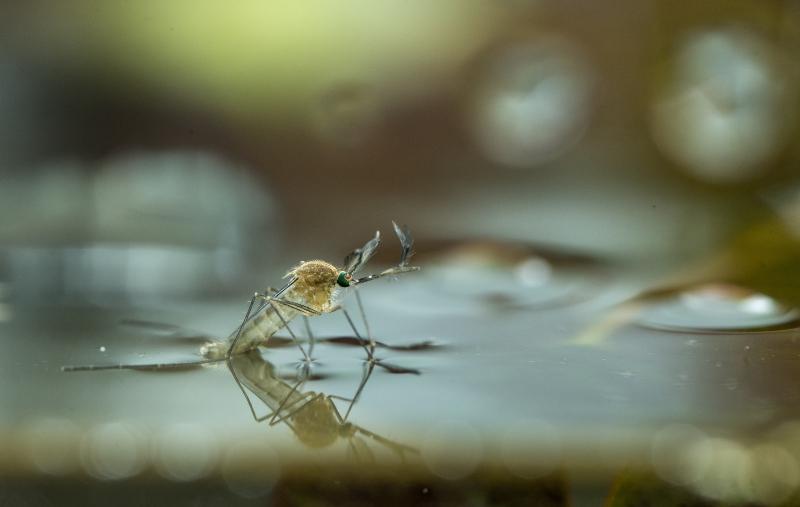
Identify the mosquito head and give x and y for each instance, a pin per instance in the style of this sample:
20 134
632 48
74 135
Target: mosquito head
344 279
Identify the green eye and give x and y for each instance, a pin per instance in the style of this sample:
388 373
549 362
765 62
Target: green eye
344 279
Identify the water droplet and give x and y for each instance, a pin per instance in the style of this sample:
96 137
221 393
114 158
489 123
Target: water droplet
102 349
721 110
533 272
718 307
532 103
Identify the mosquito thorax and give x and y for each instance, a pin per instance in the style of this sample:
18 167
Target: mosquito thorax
315 282
315 425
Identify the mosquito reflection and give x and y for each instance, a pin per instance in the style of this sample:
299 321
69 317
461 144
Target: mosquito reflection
312 416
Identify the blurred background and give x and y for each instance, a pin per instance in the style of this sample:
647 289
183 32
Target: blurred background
584 179
139 136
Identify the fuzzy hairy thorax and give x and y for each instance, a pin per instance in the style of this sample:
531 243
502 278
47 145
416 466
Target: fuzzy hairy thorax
316 281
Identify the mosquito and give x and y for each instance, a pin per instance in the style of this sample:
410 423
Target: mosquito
313 417
315 287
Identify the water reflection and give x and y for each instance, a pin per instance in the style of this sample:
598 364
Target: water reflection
718 307
313 417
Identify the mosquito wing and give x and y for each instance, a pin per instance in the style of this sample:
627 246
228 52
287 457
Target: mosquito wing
359 257
406 242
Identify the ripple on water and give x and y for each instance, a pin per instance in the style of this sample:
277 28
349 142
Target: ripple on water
718 308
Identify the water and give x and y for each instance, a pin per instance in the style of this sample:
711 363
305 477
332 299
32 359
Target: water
488 278
504 384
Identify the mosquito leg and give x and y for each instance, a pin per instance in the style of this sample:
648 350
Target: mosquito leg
277 417
358 335
241 387
285 417
395 446
368 367
286 325
366 323
244 393
342 398
271 292
232 347
310 334
305 310
280 408
141 367
241 326
267 293
268 300
274 415
336 410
